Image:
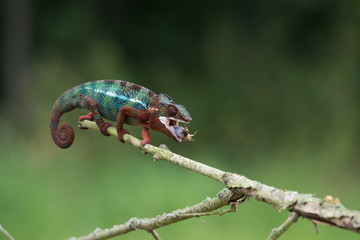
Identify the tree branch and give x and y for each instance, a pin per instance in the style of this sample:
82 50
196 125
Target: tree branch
325 211
276 232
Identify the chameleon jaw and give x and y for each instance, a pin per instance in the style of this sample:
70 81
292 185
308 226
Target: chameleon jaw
178 132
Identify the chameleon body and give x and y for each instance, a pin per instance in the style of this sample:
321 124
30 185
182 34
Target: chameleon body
122 102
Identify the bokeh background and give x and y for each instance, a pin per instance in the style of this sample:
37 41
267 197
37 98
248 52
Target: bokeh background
273 89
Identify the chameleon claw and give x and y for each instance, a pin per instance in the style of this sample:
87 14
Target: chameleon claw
89 117
145 141
104 129
121 135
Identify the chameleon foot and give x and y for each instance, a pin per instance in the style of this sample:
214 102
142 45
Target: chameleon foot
145 141
89 117
121 134
104 127
146 137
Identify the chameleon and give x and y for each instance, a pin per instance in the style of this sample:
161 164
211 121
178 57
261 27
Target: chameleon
122 102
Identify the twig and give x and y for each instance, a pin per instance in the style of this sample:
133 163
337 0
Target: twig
224 197
276 232
305 205
154 234
315 227
2 229
220 213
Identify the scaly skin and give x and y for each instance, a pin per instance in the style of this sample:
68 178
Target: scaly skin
122 102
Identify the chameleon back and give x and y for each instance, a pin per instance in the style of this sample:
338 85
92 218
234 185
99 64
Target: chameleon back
111 95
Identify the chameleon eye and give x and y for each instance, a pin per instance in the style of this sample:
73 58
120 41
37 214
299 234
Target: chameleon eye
171 111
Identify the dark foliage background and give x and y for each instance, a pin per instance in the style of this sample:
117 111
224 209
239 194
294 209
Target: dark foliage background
273 89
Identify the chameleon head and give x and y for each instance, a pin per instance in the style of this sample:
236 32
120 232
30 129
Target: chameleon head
168 117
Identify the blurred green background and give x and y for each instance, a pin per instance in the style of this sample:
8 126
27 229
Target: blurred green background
273 89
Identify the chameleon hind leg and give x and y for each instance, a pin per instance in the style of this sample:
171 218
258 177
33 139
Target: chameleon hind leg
94 114
141 117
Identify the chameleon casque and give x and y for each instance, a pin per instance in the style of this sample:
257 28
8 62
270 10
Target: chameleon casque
123 102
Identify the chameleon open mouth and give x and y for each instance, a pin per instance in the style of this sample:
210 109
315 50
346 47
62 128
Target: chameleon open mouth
179 132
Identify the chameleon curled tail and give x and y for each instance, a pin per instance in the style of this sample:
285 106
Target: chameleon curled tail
63 136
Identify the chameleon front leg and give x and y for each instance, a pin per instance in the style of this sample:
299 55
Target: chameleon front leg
140 116
94 114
